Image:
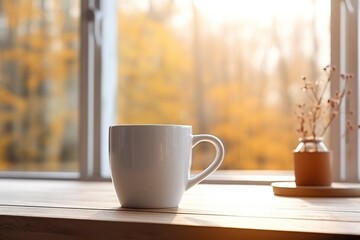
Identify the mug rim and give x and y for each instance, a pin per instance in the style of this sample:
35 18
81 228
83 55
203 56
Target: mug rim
150 125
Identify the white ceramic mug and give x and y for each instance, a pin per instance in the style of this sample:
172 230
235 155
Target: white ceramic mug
150 164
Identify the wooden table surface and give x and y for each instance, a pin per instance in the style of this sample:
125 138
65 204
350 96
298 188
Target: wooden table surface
48 209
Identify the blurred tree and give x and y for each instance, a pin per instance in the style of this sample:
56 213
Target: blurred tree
154 71
38 85
226 79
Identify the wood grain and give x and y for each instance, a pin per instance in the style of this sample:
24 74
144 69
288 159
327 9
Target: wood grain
39 209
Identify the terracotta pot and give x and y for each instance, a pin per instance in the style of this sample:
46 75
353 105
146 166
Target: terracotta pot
312 168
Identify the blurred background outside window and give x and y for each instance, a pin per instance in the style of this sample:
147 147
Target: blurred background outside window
39 45
226 67
229 68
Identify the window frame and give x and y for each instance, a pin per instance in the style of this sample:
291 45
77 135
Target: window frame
345 29
90 91
98 86
97 98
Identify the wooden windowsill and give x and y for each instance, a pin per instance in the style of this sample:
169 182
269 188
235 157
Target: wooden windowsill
40 209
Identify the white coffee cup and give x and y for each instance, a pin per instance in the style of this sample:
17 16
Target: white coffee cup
150 163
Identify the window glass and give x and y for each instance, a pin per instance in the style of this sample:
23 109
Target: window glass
39 45
229 68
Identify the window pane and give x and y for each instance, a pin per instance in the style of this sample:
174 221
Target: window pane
39 45
229 68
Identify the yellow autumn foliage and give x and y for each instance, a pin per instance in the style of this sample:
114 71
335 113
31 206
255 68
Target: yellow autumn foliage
35 86
165 75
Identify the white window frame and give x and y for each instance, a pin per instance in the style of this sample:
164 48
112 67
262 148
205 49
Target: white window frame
97 61
98 66
345 54
98 86
345 29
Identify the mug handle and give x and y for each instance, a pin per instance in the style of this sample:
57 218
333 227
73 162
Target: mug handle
220 152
